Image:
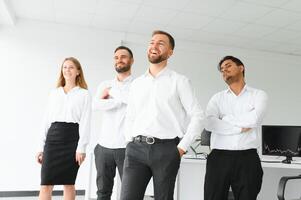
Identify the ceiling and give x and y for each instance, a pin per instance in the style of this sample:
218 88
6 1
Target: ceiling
266 25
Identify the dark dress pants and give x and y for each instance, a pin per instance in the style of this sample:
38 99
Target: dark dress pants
239 169
106 161
143 161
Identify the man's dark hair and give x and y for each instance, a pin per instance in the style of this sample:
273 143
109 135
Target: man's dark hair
233 59
125 48
170 38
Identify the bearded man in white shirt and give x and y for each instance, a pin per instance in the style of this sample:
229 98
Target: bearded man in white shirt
112 98
234 117
162 109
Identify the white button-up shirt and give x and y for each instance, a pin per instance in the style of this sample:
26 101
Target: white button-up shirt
165 107
227 113
74 106
112 133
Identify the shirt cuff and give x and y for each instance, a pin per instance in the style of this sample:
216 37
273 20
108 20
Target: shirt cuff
183 146
81 149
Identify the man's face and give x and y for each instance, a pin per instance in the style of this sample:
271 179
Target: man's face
123 61
231 71
159 49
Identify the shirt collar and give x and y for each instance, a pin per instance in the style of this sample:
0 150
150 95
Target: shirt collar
245 88
127 79
72 90
164 72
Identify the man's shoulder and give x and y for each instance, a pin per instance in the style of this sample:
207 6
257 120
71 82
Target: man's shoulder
256 91
219 94
178 75
106 83
138 79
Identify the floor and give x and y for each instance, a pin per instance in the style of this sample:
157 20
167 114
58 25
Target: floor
54 198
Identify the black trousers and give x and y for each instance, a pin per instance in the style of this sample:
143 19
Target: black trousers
239 169
106 161
143 161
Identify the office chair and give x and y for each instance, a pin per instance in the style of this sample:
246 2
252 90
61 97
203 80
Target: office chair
282 184
202 140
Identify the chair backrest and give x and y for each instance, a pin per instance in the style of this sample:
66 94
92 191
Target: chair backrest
205 137
282 184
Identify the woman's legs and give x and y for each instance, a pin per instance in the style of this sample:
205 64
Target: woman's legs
69 192
45 192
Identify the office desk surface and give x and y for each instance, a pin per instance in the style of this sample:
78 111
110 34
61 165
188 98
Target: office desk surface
264 164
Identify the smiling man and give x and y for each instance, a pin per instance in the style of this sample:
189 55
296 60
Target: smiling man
163 118
111 99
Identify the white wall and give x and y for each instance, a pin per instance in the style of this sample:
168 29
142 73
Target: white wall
30 57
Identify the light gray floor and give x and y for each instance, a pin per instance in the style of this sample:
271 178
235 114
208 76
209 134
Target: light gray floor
53 198
35 198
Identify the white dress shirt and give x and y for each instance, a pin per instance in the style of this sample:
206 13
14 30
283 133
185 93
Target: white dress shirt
112 133
227 113
164 107
74 106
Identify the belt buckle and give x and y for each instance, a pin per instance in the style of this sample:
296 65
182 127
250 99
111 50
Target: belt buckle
149 140
137 139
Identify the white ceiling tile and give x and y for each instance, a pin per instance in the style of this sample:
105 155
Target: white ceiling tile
78 6
73 18
262 44
116 8
155 15
245 12
272 3
279 18
217 39
224 26
295 26
282 36
298 52
293 5
179 33
255 31
169 4
295 41
142 27
203 36
288 48
138 39
251 24
190 20
209 7
34 9
114 23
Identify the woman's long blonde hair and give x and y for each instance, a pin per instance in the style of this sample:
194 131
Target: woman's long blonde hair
80 79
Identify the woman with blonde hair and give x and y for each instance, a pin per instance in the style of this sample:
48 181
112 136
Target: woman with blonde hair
66 131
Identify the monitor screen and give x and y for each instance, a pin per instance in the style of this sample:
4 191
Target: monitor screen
281 140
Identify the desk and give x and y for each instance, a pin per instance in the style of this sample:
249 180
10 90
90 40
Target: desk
192 173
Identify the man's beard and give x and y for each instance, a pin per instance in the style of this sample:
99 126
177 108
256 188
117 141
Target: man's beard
123 69
231 79
157 59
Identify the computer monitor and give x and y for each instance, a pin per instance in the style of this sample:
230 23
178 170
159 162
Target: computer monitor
281 141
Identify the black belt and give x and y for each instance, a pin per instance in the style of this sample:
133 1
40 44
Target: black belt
153 140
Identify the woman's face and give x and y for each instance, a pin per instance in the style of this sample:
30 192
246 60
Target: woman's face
70 72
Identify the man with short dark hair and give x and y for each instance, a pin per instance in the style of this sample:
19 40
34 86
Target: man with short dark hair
162 110
234 117
112 98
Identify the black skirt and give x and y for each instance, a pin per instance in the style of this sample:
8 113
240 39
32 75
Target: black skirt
59 166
